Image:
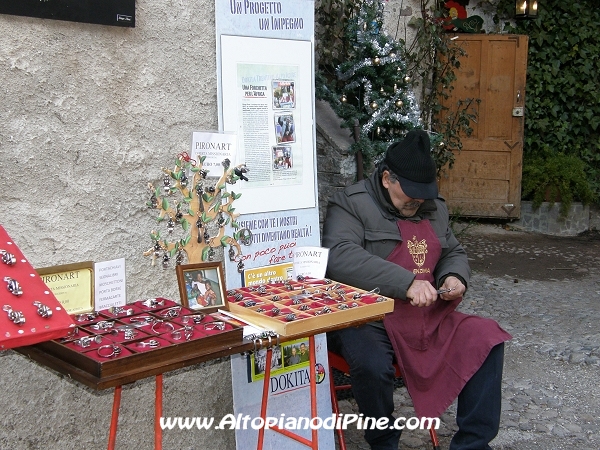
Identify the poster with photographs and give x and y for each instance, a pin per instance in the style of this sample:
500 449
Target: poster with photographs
287 357
283 94
267 100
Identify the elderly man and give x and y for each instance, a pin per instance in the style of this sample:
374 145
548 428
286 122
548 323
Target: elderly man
391 231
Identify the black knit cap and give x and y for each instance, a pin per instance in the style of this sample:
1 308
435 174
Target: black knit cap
411 161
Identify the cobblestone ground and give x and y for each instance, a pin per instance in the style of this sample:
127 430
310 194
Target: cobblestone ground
552 365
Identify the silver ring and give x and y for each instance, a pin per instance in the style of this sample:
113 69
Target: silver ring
153 302
118 310
86 341
13 286
103 325
152 343
85 317
171 312
196 318
115 350
43 310
218 325
140 321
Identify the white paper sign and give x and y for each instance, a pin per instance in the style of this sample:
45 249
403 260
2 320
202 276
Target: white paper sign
110 284
216 147
310 261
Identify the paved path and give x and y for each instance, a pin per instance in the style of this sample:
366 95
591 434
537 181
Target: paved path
551 398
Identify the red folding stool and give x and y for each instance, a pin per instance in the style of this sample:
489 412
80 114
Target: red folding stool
339 363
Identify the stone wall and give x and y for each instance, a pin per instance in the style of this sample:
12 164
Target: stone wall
547 220
89 116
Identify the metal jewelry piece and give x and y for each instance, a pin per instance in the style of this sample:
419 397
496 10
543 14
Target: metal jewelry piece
43 310
114 350
261 290
380 299
162 324
13 286
8 258
304 307
238 296
343 306
153 303
245 236
186 332
103 325
291 316
141 321
215 326
171 312
260 310
86 341
129 333
275 311
118 310
85 317
14 316
249 303
196 318
152 343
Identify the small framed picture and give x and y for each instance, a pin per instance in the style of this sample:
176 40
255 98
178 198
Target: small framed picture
202 286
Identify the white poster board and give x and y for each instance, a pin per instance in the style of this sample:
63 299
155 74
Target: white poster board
267 87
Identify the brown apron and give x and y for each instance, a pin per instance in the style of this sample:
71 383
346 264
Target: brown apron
438 349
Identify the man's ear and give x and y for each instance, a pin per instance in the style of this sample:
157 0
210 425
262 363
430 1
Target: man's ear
385 179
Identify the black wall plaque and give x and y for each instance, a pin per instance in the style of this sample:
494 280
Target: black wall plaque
120 13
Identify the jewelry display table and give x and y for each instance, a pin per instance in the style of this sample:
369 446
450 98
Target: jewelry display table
107 351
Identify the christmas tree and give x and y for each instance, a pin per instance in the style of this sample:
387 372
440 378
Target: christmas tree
371 87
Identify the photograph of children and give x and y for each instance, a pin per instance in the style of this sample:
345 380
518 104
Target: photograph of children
285 130
291 353
202 288
282 157
283 94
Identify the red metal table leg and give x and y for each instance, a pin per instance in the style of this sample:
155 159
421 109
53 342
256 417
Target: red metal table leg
265 397
314 442
114 418
312 353
158 412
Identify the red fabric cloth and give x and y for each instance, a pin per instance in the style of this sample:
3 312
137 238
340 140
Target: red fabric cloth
36 328
438 349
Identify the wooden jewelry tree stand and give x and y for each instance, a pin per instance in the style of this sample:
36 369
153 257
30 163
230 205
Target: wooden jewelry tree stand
188 200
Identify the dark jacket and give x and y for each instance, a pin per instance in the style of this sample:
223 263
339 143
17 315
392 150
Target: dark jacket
360 231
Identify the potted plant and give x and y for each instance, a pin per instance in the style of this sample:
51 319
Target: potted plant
556 178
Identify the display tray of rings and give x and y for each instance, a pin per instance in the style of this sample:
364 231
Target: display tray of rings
292 307
122 344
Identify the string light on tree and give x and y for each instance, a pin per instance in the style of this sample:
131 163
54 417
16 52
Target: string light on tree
384 113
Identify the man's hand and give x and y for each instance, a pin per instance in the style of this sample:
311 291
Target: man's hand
455 288
422 293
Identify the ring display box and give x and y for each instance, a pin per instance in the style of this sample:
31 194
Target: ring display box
30 311
124 344
296 307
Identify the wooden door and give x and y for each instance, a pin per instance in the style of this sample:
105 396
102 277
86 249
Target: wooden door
485 180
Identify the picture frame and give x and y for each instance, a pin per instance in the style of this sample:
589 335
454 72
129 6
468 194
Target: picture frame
202 286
